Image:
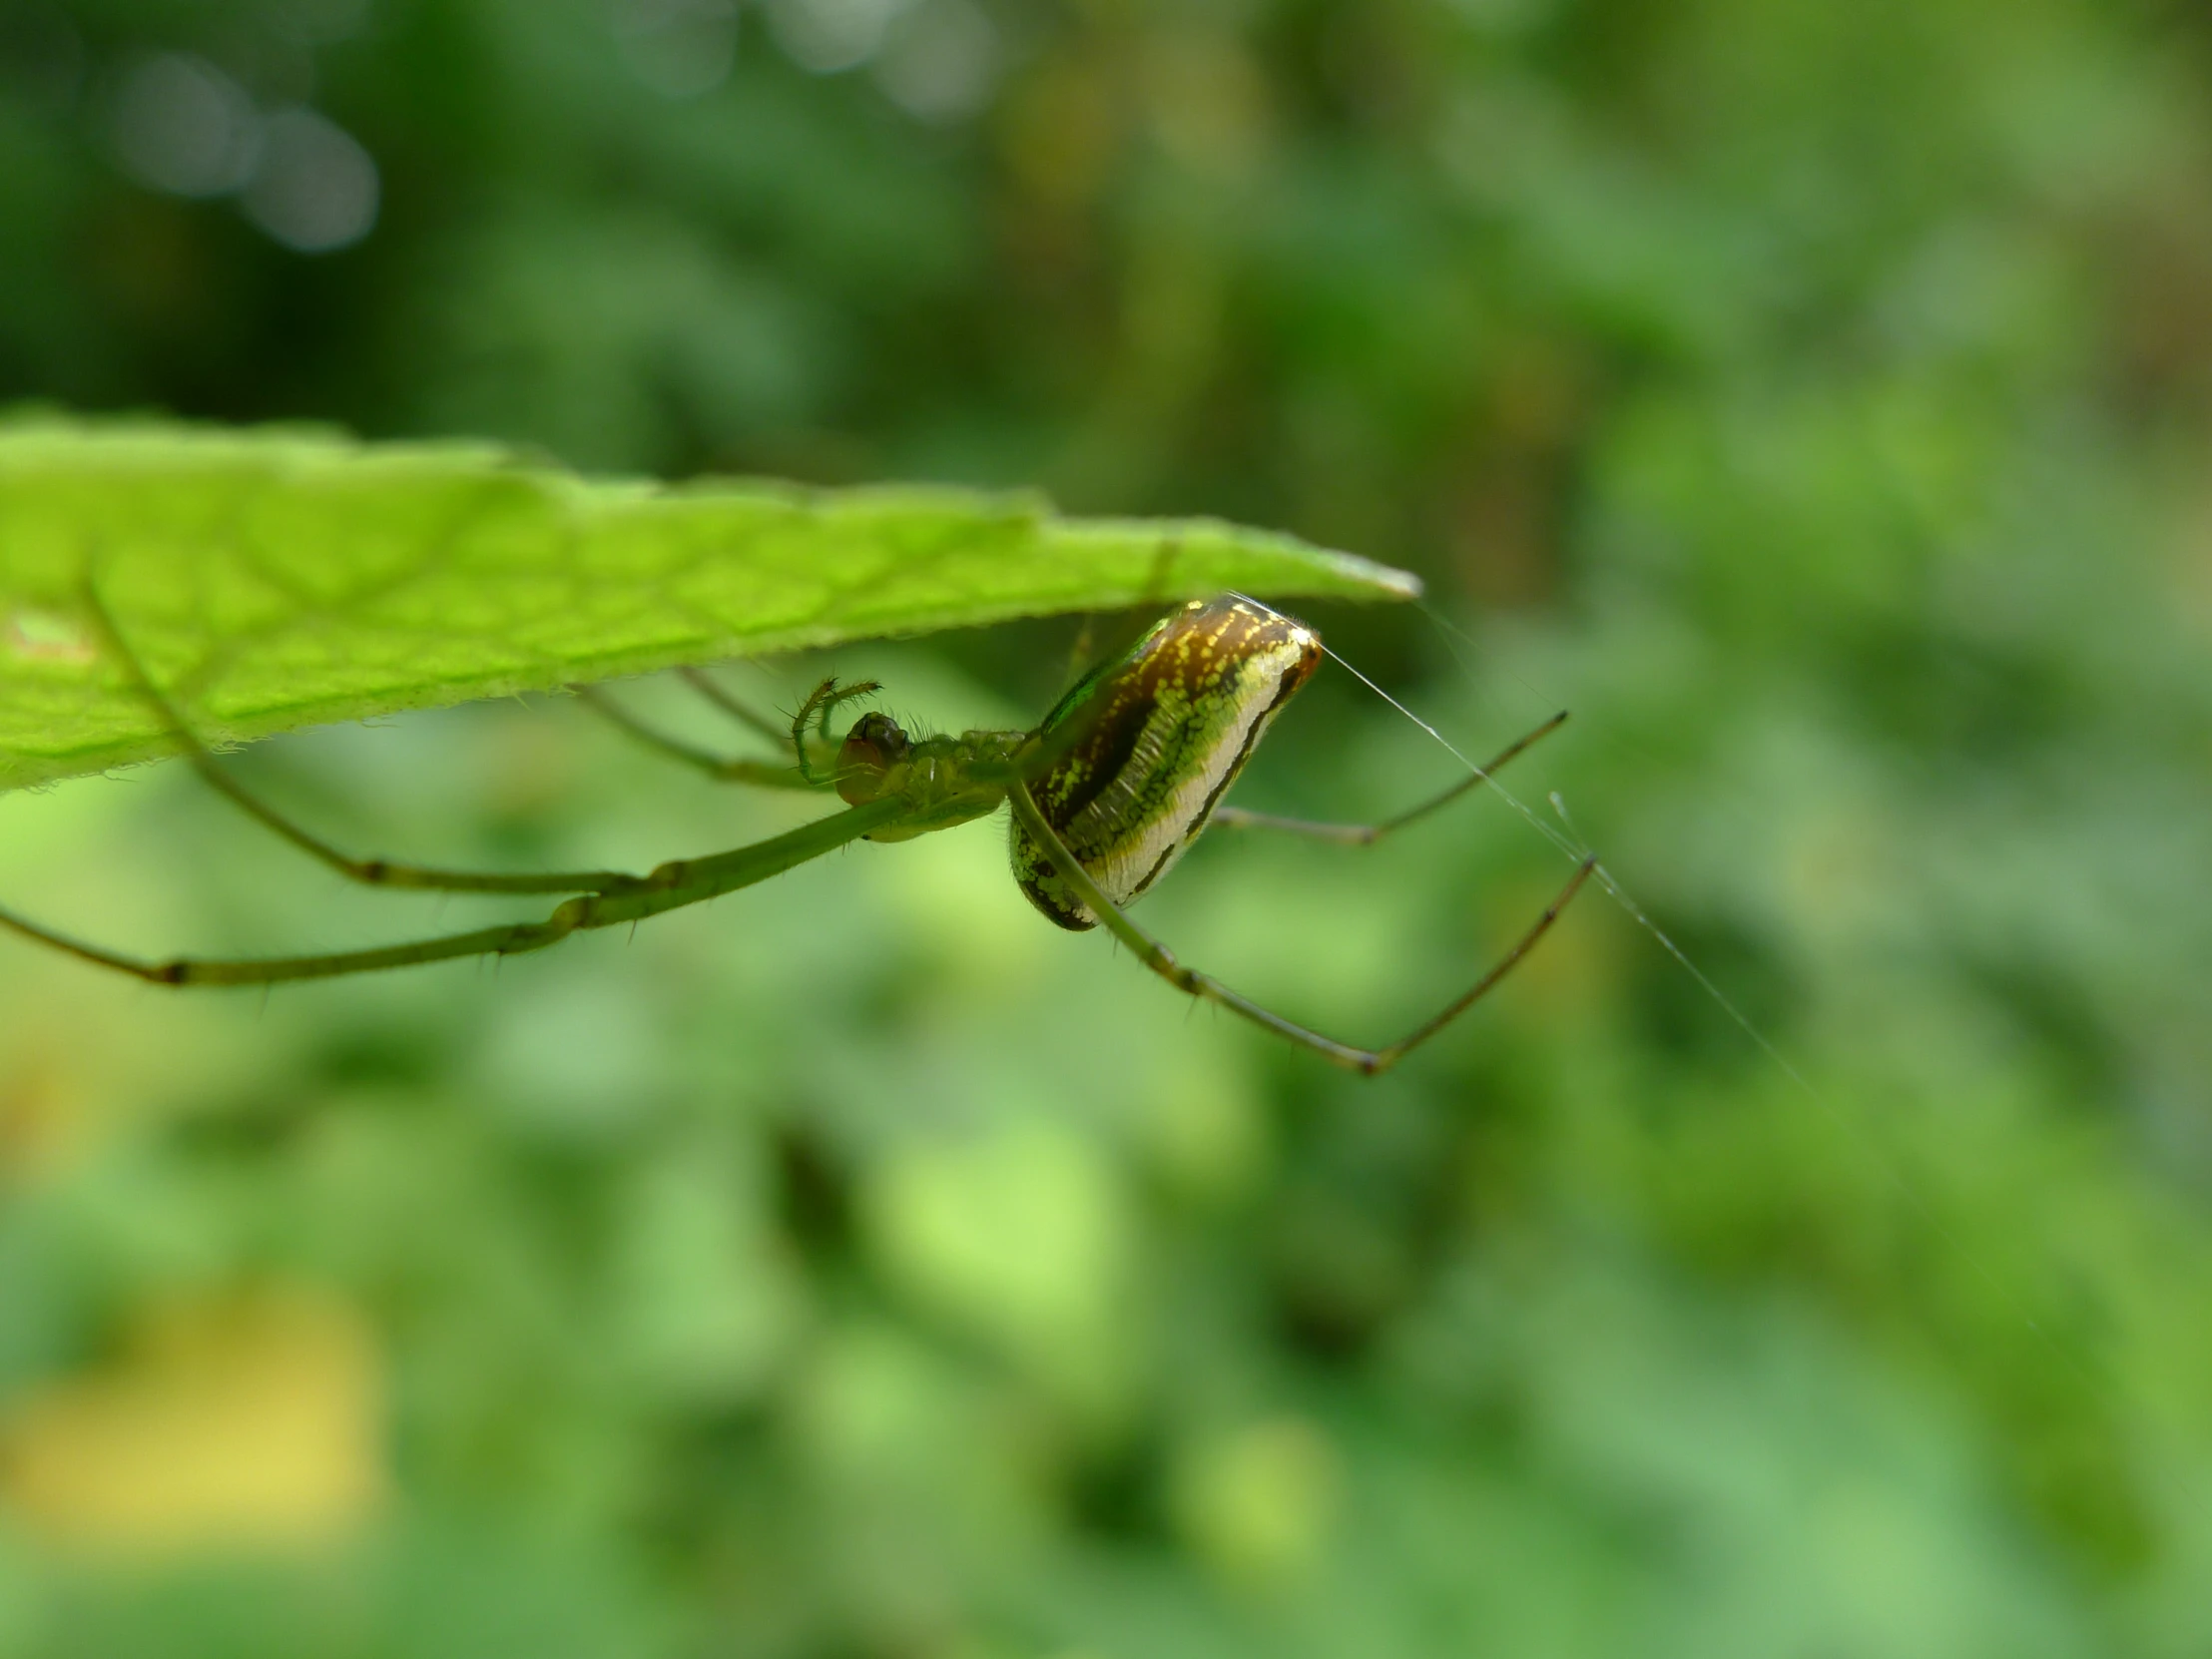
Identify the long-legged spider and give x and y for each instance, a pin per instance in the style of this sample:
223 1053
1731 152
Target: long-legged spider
1108 791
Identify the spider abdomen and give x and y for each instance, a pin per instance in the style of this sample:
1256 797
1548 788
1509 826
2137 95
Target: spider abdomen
1154 739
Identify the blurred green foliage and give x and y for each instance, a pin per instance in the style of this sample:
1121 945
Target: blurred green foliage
1814 396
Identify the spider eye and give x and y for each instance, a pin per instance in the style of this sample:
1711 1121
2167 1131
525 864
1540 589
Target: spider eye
872 748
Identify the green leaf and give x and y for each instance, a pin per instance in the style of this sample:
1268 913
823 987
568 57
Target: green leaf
280 578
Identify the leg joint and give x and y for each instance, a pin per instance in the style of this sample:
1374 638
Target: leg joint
575 914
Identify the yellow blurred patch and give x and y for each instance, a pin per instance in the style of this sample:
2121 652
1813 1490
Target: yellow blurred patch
42 1116
247 1424
1209 102
1257 1505
1063 130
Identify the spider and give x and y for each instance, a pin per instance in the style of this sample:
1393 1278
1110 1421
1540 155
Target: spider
1106 793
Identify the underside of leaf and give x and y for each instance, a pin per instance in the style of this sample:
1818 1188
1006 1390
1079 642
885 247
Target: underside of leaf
278 578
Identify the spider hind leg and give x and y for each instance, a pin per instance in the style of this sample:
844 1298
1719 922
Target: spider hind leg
1155 957
1366 835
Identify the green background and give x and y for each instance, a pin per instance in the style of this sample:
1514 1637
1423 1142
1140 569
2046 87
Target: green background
1813 398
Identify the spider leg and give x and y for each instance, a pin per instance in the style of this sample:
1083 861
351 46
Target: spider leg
669 887
1366 835
1079 653
1161 960
712 690
1107 635
820 703
727 771
374 873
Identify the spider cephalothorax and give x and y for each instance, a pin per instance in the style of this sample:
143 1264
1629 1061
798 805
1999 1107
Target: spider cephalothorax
941 780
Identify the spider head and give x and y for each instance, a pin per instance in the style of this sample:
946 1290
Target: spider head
873 750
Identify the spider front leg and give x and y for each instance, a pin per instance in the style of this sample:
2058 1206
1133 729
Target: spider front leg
712 690
1366 835
805 774
820 703
723 768
1157 957
373 873
669 887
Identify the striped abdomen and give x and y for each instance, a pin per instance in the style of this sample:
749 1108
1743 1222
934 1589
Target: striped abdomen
1160 735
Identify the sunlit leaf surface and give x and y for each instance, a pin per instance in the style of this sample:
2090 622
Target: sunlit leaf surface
278 579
